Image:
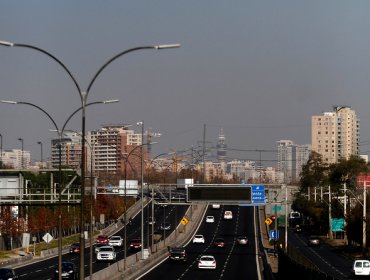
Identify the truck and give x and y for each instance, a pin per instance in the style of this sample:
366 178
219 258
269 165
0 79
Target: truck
132 187
183 184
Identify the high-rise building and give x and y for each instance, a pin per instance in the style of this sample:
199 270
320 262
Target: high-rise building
291 158
70 150
109 147
221 146
336 134
16 159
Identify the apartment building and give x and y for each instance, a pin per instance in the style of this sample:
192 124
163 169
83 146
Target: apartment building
16 158
71 149
291 158
336 134
109 147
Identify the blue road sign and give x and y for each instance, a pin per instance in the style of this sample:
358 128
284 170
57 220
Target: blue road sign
258 194
274 234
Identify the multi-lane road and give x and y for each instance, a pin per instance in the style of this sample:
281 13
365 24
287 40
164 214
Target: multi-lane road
45 269
233 261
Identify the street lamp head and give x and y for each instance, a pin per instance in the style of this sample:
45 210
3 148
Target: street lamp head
8 101
39 142
20 139
168 46
110 101
6 44
140 123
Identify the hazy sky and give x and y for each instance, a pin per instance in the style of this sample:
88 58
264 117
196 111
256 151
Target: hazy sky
257 69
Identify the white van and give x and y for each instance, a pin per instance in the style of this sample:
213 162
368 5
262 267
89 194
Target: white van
361 267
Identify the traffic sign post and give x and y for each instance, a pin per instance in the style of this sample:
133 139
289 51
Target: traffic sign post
274 235
258 194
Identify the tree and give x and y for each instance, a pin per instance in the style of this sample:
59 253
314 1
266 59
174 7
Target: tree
313 172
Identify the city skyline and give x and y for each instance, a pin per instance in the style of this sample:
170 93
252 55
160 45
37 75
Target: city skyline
257 70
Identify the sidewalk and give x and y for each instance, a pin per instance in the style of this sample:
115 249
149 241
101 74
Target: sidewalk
272 260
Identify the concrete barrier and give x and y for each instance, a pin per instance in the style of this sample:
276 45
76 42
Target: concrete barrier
134 266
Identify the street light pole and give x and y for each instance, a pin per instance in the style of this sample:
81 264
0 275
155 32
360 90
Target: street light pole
42 161
142 188
1 150
21 139
83 96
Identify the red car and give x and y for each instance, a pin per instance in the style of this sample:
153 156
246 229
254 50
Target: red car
219 242
74 248
102 239
135 244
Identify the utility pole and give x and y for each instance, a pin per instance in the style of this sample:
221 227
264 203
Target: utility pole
330 229
364 222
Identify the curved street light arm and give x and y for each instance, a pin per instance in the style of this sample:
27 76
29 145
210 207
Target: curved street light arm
10 44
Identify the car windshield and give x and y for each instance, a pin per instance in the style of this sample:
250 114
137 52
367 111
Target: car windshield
198 236
136 241
6 271
115 238
67 266
106 249
206 259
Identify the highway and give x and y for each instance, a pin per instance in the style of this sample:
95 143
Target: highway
233 262
324 258
44 269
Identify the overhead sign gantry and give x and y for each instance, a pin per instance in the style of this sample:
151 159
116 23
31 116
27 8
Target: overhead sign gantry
244 195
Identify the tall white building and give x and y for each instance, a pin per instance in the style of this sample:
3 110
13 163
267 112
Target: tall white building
336 134
17 159
291 157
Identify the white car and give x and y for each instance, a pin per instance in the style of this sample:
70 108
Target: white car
361 267
228 215
115 241
210 219
106 253
198 238
216 206
207 262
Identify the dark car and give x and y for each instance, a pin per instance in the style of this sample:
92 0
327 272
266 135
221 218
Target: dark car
102 239
165 226
177 254
219 242
314 241
7 273
135 244
69 271
74 248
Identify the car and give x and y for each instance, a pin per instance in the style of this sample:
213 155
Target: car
106 253
207 262
210 219
115 241
8 273
165 226
198 238
102 239
69 271
361 267
242 240
98 246
297 229
219 242
74 248
216 206
177 254
150 221
228 215
135 244
314 241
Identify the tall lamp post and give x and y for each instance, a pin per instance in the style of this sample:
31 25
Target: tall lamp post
83 97
42 160
1 150
142 187
21 139
60 133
